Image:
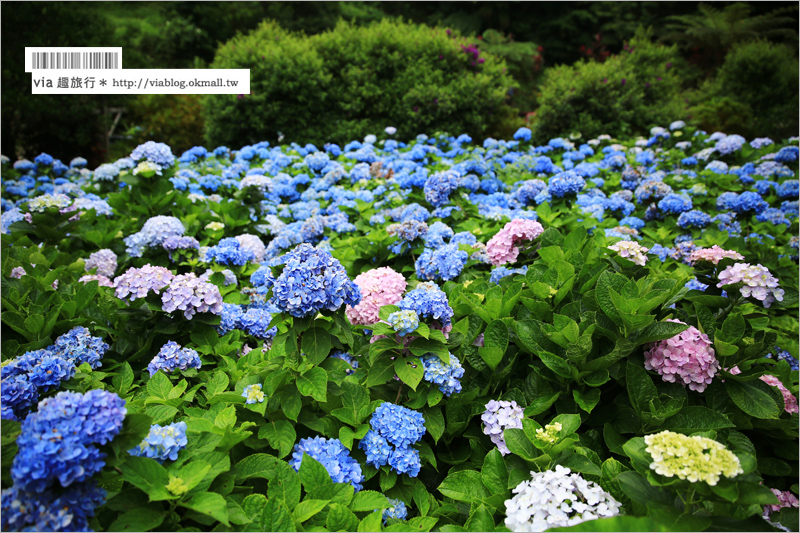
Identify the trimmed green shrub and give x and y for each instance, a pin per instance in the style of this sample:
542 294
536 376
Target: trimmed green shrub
627 94
352 81
761 78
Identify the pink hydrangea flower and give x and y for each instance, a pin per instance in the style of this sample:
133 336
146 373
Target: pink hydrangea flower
715 254
686 358
379 287
785 499
502 248
758 282
789 400
103 281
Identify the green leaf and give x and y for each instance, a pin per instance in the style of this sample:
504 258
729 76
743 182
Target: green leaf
285 485
381 371
280 434
340 518
355 404
755 494
639 490
434 422
258 465
290 402
316 343
694 418
218 383
617 523
159 386
465 486
149 476
494 473
314 382
253 506
558 365
750 398
476 306
209 503
142 519
123 380
641 389
603 296
587 400
579 463
480 520
386 310
519 444
306 509
410 370
193 473
369 500
371 522
312 474
491 356
732 328
276 517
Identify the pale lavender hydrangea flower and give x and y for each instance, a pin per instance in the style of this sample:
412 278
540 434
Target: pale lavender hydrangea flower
137 282
499 416
758 282
191 295
104 260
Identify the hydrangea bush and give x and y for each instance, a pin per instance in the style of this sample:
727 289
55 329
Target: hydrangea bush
442 333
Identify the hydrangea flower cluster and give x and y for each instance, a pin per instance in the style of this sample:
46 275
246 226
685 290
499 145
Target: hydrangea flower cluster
332 454
693 458
631 250
172 356
566 183
379 287
785 499
49 510
253 393
393 430
428 301
191 295
42 203
502 272
313 280
163 442
397 510
24 377
789 399
549 433
406 232
444 263
105 261
444 375
557 498
686 358
251 243
229 251
714 255
503 247
403 322
439 186
137 282
58 444
499 416
757 281
158 153
153 233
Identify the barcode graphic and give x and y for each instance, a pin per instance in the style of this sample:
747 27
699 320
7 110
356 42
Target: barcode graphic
74 60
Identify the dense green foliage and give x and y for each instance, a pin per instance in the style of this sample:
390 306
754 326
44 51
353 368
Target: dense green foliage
355 81
627 94
759 82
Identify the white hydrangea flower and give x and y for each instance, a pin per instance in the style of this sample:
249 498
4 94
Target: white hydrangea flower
557 498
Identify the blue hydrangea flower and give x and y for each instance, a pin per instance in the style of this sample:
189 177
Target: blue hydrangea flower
523 134
566 183
439 186
49 510
158 153
436 235
229 251
154 232
17 395
313 280
789 189
749 201
332 454
773 216
693 219
444 375
502 272
399 425
172 356
675 204
445 263
229 318
787 154
255 321
403 322
405 461
58 443
429 301
163 442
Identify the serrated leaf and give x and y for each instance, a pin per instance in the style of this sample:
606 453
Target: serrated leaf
750 398
209 503
280 434
314 382
464 486
410 370
316 343
369 500
275 517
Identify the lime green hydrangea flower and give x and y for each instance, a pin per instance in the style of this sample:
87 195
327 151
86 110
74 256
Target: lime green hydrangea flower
692 458
549 433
